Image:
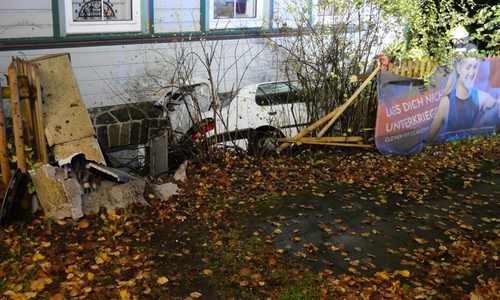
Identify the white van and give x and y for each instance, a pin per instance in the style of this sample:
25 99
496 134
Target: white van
252 118
184 104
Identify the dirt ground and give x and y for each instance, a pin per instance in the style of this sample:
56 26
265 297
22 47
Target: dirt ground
294 227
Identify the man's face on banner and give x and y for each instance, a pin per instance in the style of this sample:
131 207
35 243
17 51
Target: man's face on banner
467 71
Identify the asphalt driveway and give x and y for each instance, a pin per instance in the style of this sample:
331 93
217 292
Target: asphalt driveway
353 230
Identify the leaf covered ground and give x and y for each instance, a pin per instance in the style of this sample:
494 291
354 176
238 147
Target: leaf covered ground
315 224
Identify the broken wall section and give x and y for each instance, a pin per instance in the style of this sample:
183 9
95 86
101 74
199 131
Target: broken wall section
79 183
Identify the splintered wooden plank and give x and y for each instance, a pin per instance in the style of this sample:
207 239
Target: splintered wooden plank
348 139
344 106
332 116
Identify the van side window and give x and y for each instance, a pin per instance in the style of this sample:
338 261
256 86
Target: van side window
275 93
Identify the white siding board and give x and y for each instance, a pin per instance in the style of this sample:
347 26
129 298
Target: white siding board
114 75
177 4
177 16
116 72
25 24
23 18
28 32
25 4
174 21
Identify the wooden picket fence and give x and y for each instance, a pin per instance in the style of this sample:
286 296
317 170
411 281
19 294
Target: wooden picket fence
413 68
417 69
405 67
25 93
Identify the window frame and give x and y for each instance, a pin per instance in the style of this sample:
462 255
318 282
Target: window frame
82 27
276 93
235 23
326 18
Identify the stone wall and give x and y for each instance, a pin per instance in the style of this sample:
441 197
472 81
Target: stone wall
123 132
126 125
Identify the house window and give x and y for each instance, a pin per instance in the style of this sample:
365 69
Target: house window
101 16
327 10
225 14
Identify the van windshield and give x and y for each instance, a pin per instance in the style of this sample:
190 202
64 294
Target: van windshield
226 98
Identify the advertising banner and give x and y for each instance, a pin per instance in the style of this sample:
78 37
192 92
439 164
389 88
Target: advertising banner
457 102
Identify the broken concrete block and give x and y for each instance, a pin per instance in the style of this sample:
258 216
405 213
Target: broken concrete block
180 174
59 198
62 197
166 190
68 127
116 195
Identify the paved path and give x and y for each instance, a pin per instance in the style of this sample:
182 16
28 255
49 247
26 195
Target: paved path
353 231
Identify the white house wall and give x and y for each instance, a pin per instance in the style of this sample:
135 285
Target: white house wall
114 75
287 12
16 21
131 72
177 16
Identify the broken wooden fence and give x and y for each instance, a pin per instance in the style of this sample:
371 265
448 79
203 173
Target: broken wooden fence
408 68
24 91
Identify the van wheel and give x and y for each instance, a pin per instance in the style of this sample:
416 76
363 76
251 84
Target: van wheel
263 143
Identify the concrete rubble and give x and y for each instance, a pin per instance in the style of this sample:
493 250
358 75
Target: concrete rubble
79 182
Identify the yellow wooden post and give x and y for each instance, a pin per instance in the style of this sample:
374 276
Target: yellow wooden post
404 67
17 124
409 70
41 143
4 154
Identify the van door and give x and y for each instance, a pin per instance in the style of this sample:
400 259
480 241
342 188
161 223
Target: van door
185 104
285 110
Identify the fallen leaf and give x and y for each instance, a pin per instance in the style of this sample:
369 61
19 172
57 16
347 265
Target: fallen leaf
162 280
420 241
37 257
125 294
208 272
244 283
84 224
404 273
245 271
382 275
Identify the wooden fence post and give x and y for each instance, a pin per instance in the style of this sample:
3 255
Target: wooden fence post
4 154
17 124
41 143
31 106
